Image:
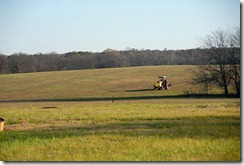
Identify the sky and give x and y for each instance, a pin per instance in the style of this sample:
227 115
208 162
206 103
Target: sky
42 26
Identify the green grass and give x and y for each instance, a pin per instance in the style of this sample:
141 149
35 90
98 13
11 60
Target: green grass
138 131
48 118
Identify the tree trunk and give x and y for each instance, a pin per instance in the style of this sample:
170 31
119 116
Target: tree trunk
238 93
226 90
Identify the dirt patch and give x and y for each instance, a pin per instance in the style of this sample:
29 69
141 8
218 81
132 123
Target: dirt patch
25 126
39 126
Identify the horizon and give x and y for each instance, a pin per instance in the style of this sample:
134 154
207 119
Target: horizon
63 26
84 51
126 49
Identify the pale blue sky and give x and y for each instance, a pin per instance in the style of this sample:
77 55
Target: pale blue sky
33 26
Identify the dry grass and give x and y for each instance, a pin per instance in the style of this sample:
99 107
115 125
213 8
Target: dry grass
116 82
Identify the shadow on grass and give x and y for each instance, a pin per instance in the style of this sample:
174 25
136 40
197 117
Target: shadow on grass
139 90
196 96
191 127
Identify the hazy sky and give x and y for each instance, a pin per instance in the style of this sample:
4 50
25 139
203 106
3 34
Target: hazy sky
33 26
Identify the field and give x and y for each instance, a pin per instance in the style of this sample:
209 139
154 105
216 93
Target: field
114 115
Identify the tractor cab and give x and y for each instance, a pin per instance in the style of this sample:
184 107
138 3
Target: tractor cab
162 83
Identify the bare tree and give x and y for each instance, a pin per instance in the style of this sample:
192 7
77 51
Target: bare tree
234 57
3 64
223 61
205 80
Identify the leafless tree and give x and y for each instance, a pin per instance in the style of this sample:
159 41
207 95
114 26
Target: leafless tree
234 57
3 64
223 67
205 80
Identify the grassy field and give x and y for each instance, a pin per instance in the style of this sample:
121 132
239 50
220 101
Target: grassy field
114 115
92 84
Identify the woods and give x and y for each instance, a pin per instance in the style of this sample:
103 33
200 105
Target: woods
24 63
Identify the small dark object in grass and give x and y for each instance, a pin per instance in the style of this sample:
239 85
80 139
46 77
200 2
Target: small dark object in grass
49 107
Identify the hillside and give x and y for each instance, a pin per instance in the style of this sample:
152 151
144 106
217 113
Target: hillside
93 83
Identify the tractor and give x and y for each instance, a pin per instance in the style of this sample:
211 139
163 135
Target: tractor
162 83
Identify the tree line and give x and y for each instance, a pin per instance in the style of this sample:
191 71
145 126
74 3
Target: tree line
24 63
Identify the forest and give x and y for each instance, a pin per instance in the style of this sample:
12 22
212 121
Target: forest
109 58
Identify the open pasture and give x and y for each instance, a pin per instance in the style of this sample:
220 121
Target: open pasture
94 84
114 115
